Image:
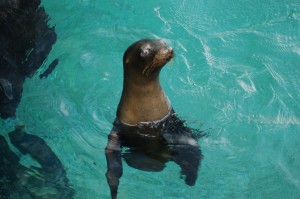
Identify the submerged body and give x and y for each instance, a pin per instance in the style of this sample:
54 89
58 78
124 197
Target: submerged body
146 122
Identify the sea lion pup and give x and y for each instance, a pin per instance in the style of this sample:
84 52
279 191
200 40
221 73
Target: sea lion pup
146 121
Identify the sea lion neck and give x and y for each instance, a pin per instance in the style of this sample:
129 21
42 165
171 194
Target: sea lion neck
141 86
142 103
135 78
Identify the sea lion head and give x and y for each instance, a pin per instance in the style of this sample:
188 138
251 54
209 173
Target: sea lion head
146 57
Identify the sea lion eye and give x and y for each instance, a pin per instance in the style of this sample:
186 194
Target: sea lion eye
145 52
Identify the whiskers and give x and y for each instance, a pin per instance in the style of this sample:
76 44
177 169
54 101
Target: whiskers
159 60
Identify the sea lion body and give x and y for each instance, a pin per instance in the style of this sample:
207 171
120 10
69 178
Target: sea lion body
146 122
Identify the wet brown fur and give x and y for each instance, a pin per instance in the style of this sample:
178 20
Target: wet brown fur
143 99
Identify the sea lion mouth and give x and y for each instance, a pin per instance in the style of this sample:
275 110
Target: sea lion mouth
163 56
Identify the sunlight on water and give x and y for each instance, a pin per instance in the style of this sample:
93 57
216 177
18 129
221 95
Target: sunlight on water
235 75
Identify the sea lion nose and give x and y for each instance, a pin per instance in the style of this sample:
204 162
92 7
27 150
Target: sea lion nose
166 45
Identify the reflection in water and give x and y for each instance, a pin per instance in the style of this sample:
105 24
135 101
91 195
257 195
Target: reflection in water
151 146
26 40
18 181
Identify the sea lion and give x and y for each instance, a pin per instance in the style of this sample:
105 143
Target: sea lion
146 122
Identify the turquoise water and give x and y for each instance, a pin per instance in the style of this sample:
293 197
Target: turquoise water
236 75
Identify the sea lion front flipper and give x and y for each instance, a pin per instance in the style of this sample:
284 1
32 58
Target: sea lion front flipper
114 162
188 157
6 87
186 150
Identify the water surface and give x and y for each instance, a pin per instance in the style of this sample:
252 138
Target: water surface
236 75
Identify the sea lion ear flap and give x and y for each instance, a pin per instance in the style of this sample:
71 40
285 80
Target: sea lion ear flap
127 60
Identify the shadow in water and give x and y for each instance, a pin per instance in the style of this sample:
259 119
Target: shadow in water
25 42
18 181
150 146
